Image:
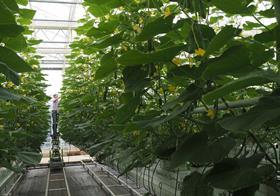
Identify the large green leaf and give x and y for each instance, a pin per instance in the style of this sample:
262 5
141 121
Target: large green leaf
100 8
135 78
199 149
108 3
18 43
98 11
233 7
134 57
11 59
9 73
31 158
268 36
104 28
108 65
97 147
116 39
196 6
179 74
270 13
259 54
22 2
27 13
127 110
200 37
266 110
222 38
158 120
7 95
11 4
158 26
195 185
252 79
234 174
96 32
8 26
248 191
191 93
10 30
6 16
235 59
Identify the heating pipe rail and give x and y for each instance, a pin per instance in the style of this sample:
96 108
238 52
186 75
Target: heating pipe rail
109 174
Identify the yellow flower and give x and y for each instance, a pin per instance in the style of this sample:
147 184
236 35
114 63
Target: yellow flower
177 61
34 66
107 17
136 133
211 113
9 84
183 125
200 52
171 88
191 62
141 20
136 28
167 12
161 90
124 47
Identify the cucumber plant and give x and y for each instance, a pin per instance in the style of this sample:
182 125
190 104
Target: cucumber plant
23 110
140 69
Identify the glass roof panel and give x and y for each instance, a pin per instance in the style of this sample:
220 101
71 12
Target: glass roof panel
51 11
54 24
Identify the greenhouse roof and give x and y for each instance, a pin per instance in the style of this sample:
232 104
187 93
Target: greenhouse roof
54 24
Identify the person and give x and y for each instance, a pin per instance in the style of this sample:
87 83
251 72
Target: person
55 113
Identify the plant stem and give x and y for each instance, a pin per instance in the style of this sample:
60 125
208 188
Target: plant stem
262 148
261 23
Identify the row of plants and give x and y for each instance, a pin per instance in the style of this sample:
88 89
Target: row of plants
140 69
23 111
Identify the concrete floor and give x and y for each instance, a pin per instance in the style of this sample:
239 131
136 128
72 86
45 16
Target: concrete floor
33 184
81 183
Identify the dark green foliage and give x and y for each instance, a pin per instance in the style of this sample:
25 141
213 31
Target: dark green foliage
23 111
148 80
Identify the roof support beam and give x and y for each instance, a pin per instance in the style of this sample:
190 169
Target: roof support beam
49 20
55 42
53 62
53 50
54 24
52 68
57 2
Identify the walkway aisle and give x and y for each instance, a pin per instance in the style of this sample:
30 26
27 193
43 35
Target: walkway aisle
75 179
81 183
33 184
57 184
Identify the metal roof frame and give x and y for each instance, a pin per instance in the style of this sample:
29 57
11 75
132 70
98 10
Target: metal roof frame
52 44
54 24
57 2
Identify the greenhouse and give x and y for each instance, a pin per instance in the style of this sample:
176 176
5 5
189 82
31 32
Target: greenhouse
139 97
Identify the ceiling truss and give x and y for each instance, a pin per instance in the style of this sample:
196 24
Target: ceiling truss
56 2
56 35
